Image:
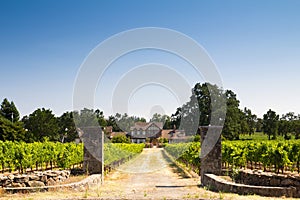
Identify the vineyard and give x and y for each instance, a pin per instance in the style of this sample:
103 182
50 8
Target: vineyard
186 153
41 155
120 152
268 155
278 156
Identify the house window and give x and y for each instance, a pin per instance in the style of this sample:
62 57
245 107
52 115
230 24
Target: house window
138 132
144 132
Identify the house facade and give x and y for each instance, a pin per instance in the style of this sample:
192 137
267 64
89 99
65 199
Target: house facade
141 131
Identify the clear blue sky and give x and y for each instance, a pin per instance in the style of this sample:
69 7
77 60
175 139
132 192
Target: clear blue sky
255 45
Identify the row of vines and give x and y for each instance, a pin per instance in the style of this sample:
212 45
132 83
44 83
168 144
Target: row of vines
268 155
186 153
41 155
21 156
114 152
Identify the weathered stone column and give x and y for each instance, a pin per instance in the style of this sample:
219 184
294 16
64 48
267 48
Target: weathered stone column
211 151
93 161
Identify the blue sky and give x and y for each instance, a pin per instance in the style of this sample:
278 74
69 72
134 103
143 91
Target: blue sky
255 45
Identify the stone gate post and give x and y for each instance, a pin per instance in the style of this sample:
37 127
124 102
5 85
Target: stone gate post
93 159
211 151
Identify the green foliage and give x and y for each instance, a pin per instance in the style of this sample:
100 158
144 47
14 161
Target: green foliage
100 117
269 153
117 151
187 153
270 124
86 117
165 119
40 124
276 155
120 139
67 129
9 111
12 131
21 155
162 140
123 122
232 126
197 138
248 124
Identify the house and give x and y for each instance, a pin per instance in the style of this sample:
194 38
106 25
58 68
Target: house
142 131
178 136
113 134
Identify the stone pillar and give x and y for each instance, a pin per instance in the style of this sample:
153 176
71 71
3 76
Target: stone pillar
211 151
93 139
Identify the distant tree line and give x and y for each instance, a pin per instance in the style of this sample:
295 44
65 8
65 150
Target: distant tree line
207 100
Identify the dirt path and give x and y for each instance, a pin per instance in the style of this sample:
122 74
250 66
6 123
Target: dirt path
149 175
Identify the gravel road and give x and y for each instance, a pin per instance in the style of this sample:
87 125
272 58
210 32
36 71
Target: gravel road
149 176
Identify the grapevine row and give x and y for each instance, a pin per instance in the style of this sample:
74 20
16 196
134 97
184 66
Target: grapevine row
38 155
187 153
21 155
270 155
114 152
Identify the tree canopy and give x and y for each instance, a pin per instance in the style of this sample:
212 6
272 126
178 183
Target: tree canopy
9 110
270 124
40 124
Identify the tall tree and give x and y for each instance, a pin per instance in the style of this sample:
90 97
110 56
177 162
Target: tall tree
12 131
270 124
100 117
232 125
202 94
86 117
176 118
124 122
286 124
111 121
284 127
40 124
259 125
296 128
9 111
250 120
167 122
207 106
67 129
